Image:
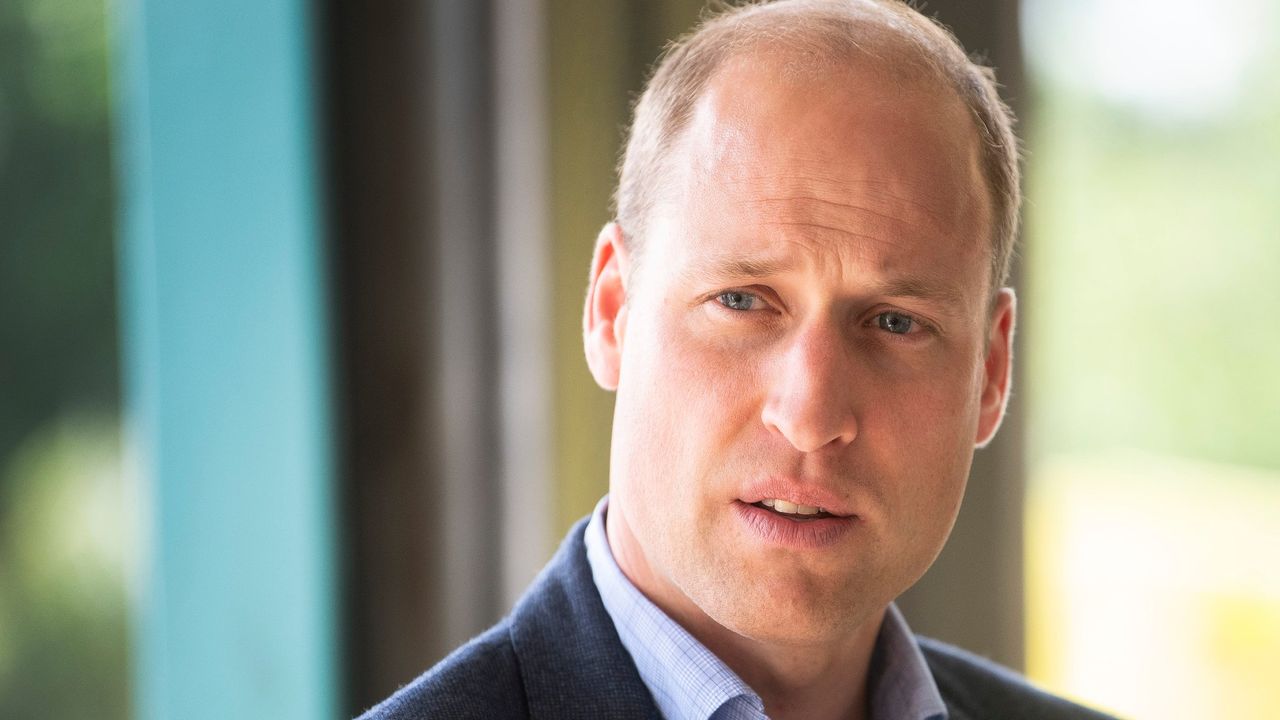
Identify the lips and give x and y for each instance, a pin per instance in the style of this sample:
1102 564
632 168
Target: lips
799 514
797 498
795 510
795 531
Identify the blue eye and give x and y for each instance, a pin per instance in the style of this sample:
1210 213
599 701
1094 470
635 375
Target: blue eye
737 300
896 323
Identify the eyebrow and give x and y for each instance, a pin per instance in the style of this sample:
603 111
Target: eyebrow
916 288
731 269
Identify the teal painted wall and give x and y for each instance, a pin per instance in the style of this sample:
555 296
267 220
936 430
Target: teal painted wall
228 418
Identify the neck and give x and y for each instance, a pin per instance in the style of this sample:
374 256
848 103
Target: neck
799 681
818 681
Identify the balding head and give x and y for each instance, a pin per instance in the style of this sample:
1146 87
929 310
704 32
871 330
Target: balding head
817 38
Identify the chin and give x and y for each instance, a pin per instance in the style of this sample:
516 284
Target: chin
786 613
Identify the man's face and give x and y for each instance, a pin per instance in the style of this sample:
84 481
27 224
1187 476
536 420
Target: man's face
808 323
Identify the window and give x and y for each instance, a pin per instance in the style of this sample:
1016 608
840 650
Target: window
1154 377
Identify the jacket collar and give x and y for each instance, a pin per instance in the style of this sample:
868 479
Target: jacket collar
571 661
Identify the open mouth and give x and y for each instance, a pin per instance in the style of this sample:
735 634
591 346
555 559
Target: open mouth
800 527
793 511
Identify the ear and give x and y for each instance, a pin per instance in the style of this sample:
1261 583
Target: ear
605 317
997 367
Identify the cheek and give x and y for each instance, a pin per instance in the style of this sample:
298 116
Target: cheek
700 355
935 406
683 404
701 387
924 427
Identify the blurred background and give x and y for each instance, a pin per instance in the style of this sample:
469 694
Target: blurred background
291 390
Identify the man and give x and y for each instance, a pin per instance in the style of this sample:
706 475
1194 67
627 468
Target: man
801 309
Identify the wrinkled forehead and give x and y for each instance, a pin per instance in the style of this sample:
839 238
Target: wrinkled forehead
840 167
764 130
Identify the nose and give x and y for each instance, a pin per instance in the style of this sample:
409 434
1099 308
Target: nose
811 400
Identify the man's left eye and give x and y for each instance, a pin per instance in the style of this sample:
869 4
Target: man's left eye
737 300
895 322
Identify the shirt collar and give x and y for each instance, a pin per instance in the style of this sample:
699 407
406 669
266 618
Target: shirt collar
688 682
900 683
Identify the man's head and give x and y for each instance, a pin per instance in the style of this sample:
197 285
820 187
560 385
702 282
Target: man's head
821 34
813 325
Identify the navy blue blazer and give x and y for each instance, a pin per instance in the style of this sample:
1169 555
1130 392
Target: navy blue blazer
557 656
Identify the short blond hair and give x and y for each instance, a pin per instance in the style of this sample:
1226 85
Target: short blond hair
818 32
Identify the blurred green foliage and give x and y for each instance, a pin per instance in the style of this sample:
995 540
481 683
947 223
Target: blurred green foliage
57 294
64 545
1154 277
63 539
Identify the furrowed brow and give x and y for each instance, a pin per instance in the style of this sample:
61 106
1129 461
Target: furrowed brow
922 289
725 269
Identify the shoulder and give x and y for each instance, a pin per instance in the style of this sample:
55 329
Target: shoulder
974 687
557 655
478 680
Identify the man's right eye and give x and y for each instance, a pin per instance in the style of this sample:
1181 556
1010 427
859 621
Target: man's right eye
737 300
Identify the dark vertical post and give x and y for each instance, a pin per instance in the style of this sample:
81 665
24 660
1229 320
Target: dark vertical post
382 205
410 138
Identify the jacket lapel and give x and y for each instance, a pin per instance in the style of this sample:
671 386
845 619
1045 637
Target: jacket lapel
571 661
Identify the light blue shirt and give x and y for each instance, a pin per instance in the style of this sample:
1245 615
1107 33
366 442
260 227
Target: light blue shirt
688 682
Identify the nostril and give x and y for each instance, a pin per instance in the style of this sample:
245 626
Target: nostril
811 400
809 427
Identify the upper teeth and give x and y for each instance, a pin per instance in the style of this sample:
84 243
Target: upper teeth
791 508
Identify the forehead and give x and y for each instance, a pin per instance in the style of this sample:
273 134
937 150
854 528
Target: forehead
846 160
